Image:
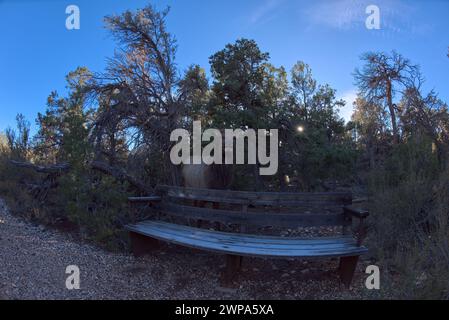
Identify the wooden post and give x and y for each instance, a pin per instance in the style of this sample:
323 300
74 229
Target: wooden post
347 268
141 245
233 264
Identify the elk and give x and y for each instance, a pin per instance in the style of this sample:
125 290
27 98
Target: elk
214 176
197 174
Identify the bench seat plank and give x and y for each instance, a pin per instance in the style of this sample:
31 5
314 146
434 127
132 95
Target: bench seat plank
245 245
249 238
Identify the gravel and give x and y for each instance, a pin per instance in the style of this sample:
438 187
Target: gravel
33 261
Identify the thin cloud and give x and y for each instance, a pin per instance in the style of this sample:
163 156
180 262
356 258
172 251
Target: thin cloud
395 16
265 12
340 14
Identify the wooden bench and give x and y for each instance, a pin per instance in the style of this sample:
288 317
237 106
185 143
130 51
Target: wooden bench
239 212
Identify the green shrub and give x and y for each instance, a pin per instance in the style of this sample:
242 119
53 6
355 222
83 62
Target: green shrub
409 219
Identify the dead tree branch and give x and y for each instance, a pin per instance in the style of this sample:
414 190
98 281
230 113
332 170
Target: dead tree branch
118 173
121 175
55 168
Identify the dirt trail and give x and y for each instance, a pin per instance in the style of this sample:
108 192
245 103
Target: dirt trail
33 262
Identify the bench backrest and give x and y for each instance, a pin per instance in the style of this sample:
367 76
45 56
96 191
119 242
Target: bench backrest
261 209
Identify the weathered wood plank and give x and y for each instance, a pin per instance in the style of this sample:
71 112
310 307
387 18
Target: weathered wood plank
285 245
247 238
144 199
250 251
311 203
228 195
193 240
287 220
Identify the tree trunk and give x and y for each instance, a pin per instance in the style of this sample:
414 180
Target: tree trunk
392 112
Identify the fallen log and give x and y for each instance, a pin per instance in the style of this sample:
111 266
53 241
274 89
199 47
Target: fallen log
118 173
55 168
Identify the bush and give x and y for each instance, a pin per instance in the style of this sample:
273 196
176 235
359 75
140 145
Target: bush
96 204
409 223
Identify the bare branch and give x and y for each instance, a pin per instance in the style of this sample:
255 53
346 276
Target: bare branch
118 173
56 168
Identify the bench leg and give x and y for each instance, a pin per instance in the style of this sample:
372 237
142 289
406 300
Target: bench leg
346 269
233 264
142 245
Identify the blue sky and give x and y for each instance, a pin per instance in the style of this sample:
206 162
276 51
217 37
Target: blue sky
37 50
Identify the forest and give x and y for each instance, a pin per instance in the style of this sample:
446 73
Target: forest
108 138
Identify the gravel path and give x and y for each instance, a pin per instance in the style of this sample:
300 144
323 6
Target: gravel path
33 261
